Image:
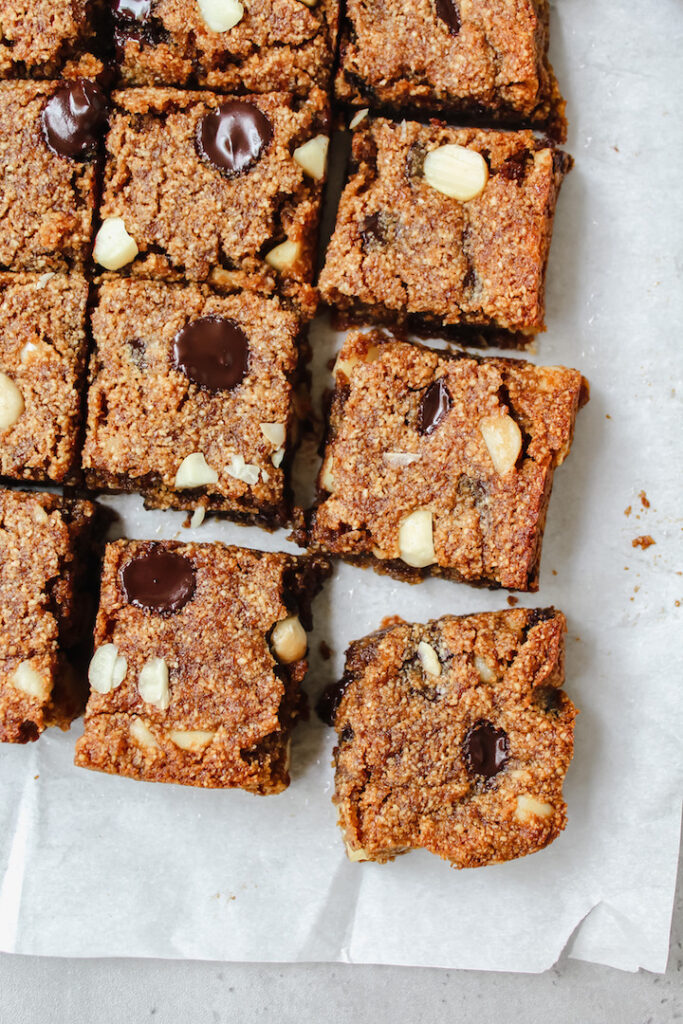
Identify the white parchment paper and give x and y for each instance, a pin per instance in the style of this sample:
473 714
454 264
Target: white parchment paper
92 865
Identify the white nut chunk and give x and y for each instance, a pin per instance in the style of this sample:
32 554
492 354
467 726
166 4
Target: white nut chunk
486 673
194 471
503 438
220 15
416 539
357 854
107 669
27 679
358 117
11 402
429 659
284 256
143 735
114 247
456 171
326 478
529 807
312 156
247 472
191 739
274 432
289 640
153 683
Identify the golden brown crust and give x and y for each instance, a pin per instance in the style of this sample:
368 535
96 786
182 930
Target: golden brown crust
44 548
401 57
48 200
156 181
403 775
145 416
403 252
43 350
223 679
276 45
487 526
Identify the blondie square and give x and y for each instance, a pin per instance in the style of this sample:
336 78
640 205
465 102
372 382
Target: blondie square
439 227
483 58
455 737
191 398
199 653
441 463
45 548
265 46
43 350
49 134
45 38
215 188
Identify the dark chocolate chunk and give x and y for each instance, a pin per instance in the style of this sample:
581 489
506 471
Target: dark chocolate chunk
74 118
514 168
233 137
138 353
132 10
485 749
213 352
329 701
372 230
159 581
449 13
436 403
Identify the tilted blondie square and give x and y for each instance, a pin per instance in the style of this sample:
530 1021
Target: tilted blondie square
43 348
49 134
191 398
440 463
483 58
46 546
265 46
199 653
440 227
455 737
215 188
46 38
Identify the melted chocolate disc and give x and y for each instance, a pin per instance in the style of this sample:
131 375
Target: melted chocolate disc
233 137
159 581
449 12
132 10
74 118
213 352
435 405
486 749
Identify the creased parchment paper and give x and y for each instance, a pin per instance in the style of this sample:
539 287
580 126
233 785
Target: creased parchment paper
92 865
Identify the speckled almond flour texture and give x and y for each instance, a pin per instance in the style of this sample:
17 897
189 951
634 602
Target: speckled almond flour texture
47 200
225 683
402 252
409 770
44 38
189 217
44 547
277 44
485 58
43 351
379 468
145 415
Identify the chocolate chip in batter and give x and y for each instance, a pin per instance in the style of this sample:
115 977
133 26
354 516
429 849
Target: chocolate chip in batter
486 749
233 137
159 581
132 10
449 12
213 352
435 405
329 701
74 118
